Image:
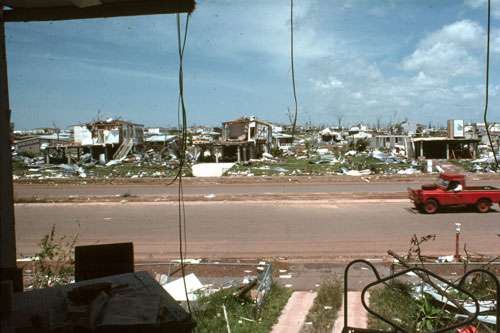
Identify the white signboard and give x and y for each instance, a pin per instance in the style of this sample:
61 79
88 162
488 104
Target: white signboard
458 128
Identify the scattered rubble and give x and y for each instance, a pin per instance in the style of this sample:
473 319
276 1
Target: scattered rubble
354 151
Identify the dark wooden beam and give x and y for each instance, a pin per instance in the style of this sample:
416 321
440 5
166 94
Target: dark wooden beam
127 8
9 270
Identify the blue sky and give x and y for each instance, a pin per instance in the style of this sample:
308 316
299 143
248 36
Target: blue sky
364 60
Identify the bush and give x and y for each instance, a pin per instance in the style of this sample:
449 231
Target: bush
54 263
361 144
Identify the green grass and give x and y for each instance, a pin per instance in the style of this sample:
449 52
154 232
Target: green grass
326 306
133 172
464 164
30 200
395 304
210 314
307 167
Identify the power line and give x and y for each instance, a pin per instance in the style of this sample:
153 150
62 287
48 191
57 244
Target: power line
487 84
293 71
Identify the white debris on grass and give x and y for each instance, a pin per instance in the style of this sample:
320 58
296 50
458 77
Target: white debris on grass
177 288
210 169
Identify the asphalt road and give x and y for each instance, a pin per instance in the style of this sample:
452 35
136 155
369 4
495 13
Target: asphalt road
29 191
292 229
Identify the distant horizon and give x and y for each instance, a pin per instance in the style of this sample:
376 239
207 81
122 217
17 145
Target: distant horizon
367 61
319 125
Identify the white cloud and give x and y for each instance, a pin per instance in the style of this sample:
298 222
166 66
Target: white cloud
357 95
449 52
331 82
495 6
495 41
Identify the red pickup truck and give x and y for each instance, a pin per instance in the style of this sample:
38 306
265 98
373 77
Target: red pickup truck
450 190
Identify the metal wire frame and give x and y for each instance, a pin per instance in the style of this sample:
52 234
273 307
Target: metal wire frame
398 328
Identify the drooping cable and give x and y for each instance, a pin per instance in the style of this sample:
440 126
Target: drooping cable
181 118
293 71
487 83
183 125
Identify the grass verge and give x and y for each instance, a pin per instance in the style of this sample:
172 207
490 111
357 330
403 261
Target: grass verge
423 314
325 308
210 314
394 303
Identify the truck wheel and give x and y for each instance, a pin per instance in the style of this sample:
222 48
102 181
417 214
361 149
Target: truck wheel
431 206
483 205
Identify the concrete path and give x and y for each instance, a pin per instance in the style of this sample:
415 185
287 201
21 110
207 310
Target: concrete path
210 169
294 314
449 167
357 314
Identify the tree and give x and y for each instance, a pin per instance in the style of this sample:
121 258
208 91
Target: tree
339 121
361 144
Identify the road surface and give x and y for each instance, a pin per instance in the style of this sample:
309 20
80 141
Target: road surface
293 229
27 191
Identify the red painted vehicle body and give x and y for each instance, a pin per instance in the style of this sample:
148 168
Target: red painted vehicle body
429 198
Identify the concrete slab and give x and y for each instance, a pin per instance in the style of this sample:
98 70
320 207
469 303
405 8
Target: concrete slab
357 314
210 169
294 314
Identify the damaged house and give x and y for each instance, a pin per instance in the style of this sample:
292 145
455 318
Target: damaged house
456 145
245 138
113 138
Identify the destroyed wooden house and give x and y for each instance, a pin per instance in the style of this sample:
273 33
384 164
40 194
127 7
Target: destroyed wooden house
398 142
113 138
282 140
245 138
36 144
160 143
455 145
443 148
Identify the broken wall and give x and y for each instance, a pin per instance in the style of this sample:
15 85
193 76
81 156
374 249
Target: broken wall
235 131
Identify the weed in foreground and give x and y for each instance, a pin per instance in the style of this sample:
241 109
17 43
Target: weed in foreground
54 263
393 302
325 307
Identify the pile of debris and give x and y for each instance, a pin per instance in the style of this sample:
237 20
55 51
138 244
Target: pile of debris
350 163
150 164
485 164
256 285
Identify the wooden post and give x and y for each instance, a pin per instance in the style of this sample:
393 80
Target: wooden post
252 151
9 270
68 158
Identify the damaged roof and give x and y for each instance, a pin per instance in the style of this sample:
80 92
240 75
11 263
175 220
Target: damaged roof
55 10
247 120
103 123
441 138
